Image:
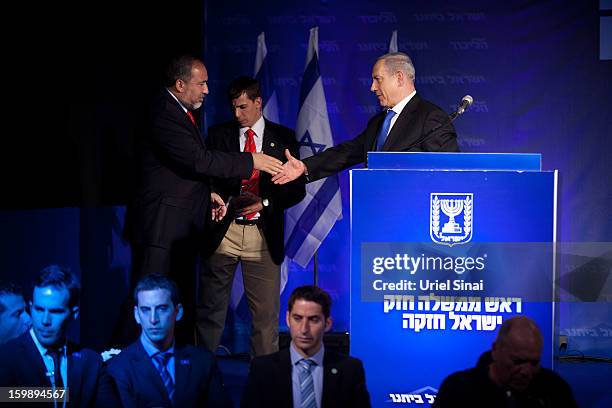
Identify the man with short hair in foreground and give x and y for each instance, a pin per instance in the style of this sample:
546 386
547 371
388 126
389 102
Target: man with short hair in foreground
14 318
43 357
509 375
154 371
306 375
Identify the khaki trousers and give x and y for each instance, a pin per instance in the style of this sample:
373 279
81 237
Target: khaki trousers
261 276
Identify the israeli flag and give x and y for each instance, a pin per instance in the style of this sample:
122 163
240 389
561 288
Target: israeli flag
393 42
308 223
264 76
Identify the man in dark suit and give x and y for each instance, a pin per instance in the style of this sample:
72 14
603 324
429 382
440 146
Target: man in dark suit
42 356
252 233
306 374
14 317
407 123
172 196
509 375
156 372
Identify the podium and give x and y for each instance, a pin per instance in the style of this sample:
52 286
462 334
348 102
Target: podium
444 248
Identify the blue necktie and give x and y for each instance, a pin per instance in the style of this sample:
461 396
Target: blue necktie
307 393
161 360
384 130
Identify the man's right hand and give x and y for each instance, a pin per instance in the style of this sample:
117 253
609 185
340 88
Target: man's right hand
267 163
293 169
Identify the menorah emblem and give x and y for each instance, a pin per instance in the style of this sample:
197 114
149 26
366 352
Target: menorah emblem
453 206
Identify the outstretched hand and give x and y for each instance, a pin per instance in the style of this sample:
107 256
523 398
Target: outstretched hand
267 163
291 170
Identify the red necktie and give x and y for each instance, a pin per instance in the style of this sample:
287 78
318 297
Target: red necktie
252 184
191 118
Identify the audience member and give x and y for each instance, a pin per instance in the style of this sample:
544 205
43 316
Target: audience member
156 372
509 375
14 317
43 357
306 374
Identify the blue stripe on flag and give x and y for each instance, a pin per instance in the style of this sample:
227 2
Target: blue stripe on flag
311 214
311 75
265 82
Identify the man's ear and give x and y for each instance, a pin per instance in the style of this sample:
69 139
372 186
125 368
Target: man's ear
179 84
287 318
258 102
179 313
401 78
328 324
136 315
75 312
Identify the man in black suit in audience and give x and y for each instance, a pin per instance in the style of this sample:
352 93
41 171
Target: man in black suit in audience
154 371
14 317
408 123
509 375
306 374
43 357
252 234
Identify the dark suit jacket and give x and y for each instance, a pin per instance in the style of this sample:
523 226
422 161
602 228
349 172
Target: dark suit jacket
276 138
418 118
21 365
269 382
198 380
172 195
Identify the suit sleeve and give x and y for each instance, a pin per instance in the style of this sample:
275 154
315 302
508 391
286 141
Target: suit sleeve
106 395
174 142
121 384
6 371
360 391
217 394
251 398
340 157
220 185
287 195
443 139
453 392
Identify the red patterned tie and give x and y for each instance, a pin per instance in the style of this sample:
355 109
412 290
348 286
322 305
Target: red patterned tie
252 184
191 118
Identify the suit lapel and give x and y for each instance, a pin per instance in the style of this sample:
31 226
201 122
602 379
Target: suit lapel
284 377
377 125
233 138
75 372
331 375
182 373
268 138
400 128
143 365
34 359
195 131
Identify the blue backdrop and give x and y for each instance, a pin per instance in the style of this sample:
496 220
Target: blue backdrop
540 74
540 80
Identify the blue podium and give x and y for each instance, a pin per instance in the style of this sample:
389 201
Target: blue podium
444 248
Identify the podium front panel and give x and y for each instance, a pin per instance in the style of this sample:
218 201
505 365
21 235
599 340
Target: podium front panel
439 259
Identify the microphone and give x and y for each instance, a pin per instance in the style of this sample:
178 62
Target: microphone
466 102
